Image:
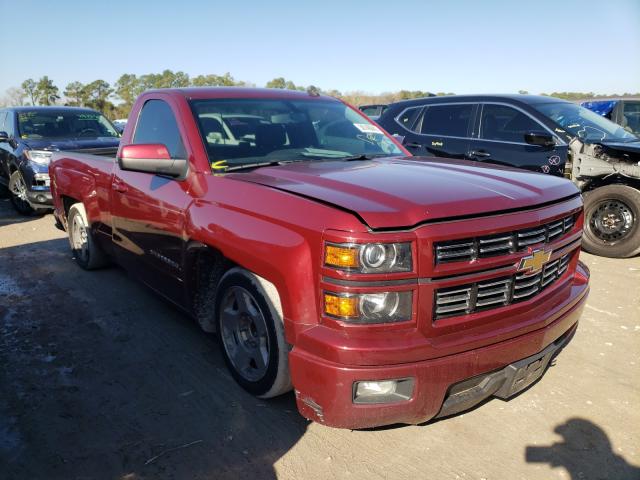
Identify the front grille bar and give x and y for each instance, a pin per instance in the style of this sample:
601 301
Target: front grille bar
497 292
469 249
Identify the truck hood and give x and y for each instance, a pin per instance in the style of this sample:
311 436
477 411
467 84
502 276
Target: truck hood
72 143
405 191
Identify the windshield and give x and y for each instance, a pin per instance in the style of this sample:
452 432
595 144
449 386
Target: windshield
64 124
248 131
584 124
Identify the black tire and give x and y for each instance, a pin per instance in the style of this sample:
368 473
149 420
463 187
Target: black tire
18 194
86 252
612 221
239 334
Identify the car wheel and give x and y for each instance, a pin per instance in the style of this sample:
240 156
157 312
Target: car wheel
86 251
612 221
18 192
251 331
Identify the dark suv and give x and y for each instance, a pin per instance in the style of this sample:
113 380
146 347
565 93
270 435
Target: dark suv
29 135
542 134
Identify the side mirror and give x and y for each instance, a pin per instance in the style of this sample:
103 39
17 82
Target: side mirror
542 139
4 137
151 158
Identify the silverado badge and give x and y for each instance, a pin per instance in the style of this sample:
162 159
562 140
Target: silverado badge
534 262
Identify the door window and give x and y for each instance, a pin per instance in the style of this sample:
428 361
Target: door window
157 124
631 113
447 120
408 117
506 124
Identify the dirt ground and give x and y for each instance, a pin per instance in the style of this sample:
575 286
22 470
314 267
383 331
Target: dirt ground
100 379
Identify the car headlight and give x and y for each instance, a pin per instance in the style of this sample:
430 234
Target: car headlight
41 157
379 307
369 257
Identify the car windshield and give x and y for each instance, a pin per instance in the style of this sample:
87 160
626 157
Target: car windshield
64 124
247 131
583 123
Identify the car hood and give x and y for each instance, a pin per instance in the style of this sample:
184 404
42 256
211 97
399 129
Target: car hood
405 191
630 150
71 143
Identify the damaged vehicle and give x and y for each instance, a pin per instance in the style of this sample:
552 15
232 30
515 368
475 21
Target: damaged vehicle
542 134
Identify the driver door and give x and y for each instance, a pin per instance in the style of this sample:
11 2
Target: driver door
149 210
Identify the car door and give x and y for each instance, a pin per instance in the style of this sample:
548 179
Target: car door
441 130
148 210
500 139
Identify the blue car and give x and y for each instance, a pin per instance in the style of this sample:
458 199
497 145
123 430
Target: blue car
29 136
624 112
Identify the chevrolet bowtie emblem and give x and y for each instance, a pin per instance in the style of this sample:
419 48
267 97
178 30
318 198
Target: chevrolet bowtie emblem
534 262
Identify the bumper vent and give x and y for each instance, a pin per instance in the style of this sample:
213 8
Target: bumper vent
497 292
501 244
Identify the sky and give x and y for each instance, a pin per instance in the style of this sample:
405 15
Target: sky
490 46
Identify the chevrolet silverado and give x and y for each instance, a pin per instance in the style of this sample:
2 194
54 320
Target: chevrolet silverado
382 288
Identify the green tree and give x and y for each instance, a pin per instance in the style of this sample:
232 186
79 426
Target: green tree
76 94
46 92
212 80
97 95
29 87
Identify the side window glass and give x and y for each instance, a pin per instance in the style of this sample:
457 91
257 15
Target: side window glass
447 120
631 114
499 122
3 116
9 122
408 117
157 124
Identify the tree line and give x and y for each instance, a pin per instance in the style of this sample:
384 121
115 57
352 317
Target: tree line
115 100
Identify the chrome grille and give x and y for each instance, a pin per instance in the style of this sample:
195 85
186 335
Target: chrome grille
497 292
501 244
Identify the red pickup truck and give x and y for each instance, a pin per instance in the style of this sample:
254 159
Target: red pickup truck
382 288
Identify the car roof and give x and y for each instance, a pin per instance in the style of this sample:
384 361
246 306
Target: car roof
58 108
512 98
202 93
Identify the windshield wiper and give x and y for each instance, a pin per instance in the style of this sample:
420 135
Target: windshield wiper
363 156
273 163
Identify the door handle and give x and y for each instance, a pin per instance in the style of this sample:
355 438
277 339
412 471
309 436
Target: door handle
479 153
413 145
118 186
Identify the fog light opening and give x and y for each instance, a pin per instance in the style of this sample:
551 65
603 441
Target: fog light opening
383 391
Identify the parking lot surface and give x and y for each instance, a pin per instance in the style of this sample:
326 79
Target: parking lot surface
99 378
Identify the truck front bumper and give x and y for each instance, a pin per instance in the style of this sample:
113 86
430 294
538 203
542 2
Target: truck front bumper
442 386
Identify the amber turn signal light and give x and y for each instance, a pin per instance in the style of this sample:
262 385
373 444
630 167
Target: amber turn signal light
341 256
339 306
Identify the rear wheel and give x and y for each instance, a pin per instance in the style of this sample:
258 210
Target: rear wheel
18 192
251 332
86 251
612 221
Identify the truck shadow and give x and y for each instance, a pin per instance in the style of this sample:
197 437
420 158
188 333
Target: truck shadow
9 216
100 378
585 453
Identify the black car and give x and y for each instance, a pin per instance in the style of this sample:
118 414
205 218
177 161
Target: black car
542 134
29 135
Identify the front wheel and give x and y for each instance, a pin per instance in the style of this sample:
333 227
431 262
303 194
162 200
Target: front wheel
612 221
252 334
18 192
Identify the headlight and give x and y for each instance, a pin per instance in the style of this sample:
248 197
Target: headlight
382 307
369 257
42 157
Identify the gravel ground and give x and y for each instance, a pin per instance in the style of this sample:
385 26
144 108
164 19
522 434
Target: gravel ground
100 379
